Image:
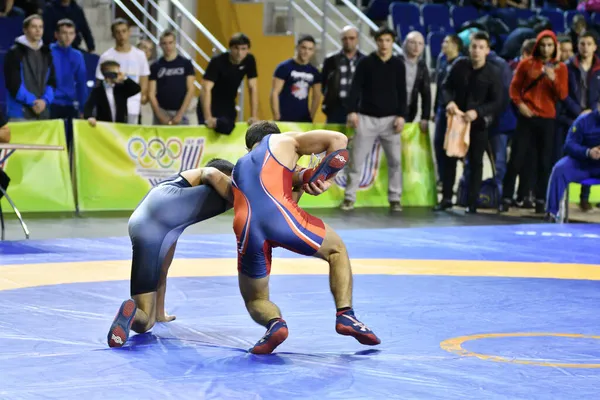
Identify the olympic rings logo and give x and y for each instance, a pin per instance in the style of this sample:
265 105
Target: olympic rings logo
155 152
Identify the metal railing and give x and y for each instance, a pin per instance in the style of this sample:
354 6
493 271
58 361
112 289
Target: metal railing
174 21
322 21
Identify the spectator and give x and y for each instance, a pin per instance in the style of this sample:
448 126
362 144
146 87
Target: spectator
584 95
503 127
377 111
565 48
109 100
171 84
578 25
220 84
4 129
338 71
582 160
29 74
30 7
523 4
514 41
4 138
292 83
58 10
9 10
526 51
417 79
71 86
539 82
471 89
147 47
451 50
133 63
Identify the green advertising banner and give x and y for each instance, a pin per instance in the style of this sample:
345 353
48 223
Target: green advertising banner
39 179
117 164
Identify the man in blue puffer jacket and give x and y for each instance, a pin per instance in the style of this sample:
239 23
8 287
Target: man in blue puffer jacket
584 94
69 66
29 74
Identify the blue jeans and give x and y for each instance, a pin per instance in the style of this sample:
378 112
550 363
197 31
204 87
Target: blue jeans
499 144
566 171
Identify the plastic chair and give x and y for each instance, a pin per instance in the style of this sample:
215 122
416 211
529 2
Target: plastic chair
436 17
564 212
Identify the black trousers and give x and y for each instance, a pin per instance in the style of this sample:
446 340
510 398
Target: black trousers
477 146
4 180
532 148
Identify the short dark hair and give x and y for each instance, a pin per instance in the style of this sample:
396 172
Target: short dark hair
32 17
117 22
257 132
384 30
239 39
564 39
66 23
166 33
528 46
454 38
107 64
481 35
306 38
589 34
224 166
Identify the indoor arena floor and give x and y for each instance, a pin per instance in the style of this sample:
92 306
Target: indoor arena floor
467 307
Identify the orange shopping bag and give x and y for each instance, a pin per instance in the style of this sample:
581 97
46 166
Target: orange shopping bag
458 134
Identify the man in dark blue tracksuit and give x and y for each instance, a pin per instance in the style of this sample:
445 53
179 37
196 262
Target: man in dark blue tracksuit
581 162
57 10
70 70
584 94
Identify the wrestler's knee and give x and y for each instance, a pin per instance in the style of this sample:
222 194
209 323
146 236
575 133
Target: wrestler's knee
332 245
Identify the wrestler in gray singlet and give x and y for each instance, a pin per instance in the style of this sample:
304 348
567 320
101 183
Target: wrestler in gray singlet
160 219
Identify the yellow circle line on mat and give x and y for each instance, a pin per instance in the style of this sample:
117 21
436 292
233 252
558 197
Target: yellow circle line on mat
30 275
454 345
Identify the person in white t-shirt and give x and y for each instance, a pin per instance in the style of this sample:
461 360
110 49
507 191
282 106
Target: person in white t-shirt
133 64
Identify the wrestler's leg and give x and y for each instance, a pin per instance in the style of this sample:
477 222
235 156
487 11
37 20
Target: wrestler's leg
254 287
161 314
255 293
333 250
151 305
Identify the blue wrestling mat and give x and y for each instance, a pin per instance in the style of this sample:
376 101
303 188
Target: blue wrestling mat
491 312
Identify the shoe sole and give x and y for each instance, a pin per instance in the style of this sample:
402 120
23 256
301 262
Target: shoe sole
275 340
119 330
367 339
334 163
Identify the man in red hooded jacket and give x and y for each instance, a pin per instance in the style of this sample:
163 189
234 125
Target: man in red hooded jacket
539 82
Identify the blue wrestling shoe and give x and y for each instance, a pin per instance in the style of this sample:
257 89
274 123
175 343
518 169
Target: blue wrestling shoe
331 165
119 330
275 335
346 324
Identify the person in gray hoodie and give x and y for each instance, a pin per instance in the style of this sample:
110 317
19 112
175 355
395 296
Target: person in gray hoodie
29 74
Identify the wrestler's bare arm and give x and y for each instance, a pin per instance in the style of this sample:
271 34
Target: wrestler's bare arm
318 141
219 181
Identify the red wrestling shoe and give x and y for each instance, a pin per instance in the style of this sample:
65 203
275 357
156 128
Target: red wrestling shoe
331 165
275 335
346 324
119 330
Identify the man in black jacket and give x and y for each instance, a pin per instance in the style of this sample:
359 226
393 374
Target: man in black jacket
338 71
473 89
417 79
377 111
29 74
108 100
